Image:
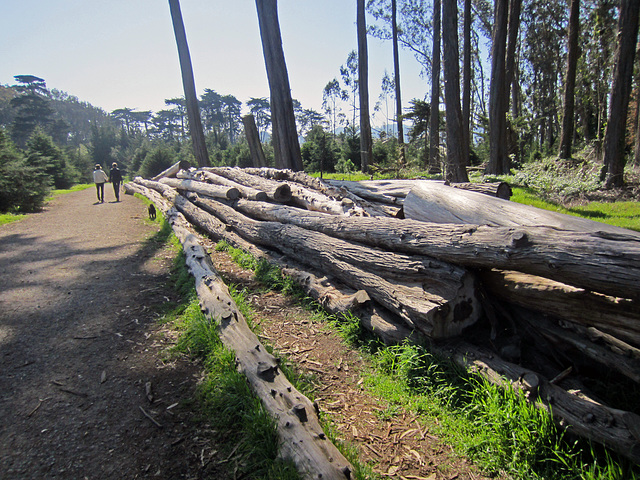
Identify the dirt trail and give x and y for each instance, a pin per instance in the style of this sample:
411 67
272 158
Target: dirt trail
79 285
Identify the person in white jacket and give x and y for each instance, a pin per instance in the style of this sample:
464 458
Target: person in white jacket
99 178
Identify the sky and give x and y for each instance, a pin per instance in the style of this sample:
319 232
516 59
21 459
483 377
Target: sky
122 53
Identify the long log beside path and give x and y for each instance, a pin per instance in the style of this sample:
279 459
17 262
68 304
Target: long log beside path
303 439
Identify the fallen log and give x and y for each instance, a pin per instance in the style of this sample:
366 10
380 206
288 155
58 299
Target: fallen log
278 192
616 316
173 170
566 340
333 298
433 297
617 429
303 439
597 261
430 201
205 176
215 191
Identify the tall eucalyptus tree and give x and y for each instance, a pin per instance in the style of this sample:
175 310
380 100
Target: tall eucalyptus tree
366 143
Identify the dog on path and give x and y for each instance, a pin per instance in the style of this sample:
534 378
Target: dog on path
152 212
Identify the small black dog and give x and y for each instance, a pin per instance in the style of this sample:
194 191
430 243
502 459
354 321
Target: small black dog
152 212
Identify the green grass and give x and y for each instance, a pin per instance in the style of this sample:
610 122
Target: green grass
10 217
620 214
75 188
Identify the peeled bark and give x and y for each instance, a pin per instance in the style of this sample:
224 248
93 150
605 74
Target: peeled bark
245 192
278 192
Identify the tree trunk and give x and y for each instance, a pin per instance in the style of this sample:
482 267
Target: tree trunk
566 135
285 132
434 121
298 424
396 70
456 163
245 192
173 170
466 82
615 316
188 83
614 138
366 143
596 261
253 139
499 163
433 297
278 192
214 191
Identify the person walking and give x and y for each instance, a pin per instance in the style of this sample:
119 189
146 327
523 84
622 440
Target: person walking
115 177
99 178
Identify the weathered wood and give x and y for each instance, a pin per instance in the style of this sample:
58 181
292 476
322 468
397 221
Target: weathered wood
430 201
433 297
173 170
205 176
215 191
390 192
493 189
598 261
335 298
617 429
303 440
616 316
278 192
253 139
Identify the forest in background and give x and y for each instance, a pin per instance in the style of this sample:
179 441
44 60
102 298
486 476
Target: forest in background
49 138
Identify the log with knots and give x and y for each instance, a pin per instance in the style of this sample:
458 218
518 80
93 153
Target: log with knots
509 291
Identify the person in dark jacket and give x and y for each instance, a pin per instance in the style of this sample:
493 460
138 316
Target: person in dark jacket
115 177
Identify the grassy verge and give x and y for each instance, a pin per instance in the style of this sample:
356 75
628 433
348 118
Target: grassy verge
498 429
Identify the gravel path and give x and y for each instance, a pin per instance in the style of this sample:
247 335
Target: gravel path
80 287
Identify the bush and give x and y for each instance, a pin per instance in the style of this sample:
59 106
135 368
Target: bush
157 161
23 188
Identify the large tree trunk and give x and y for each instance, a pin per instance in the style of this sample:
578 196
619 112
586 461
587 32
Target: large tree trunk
614 138
456 162
366 144
434 121
278 192
253 139
245 192
566 135
466 81
396 76
499 163
285 132
188 83
597 261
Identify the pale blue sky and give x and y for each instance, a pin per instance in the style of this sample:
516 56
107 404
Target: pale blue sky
122 53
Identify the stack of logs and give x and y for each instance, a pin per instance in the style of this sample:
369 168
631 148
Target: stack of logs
552 297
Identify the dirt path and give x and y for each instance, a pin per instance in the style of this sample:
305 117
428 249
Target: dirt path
79 291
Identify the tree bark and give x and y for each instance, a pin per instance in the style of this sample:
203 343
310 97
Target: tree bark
253 139
615 316
214 191
396 70
456 163
173 170
499 163
245 192
298 424
285 132
466 81
614 138
566 134
435 298
603 262
366 143
188 83
434 122
278 192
